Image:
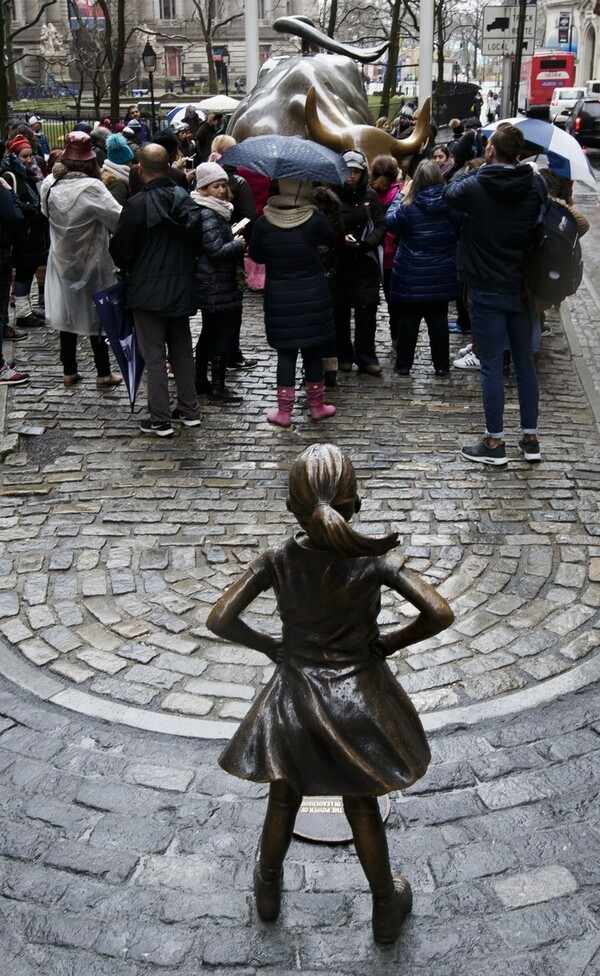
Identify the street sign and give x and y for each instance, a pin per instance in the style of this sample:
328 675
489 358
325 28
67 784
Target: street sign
501 28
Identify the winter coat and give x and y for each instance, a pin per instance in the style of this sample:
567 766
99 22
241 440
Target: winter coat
82 213
502 205
116 187
156 243
217 265
31 237
298 308
424 267
390 243
357 280
10 218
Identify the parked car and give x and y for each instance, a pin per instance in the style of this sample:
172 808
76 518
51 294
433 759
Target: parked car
584 122
563 98
592 87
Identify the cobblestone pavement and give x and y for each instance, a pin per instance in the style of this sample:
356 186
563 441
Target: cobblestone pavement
114 547
125 852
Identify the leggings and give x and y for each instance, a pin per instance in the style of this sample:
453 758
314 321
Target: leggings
286 365
364 819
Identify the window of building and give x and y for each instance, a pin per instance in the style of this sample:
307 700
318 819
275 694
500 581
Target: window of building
166 9
262 12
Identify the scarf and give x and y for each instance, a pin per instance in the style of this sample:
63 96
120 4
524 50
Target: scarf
120 171
222 207
292 207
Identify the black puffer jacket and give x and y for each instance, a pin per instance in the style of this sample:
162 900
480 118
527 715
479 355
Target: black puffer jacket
357 278
31 236
156 243
217 265
298 310
501 204
10 218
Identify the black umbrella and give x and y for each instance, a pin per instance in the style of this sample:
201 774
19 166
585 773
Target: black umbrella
287 158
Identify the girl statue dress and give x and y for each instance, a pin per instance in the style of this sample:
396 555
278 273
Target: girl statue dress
333 719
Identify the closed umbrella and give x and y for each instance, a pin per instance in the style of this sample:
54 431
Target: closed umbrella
117 324
565 155
287 158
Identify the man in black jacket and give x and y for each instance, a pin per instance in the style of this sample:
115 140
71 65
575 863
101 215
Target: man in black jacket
155 244
502 205
10 218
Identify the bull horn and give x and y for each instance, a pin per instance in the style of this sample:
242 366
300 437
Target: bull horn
315 128
304 28
421 132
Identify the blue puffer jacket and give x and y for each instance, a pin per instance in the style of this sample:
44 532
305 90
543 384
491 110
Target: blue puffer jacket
298 307
425 263
217 265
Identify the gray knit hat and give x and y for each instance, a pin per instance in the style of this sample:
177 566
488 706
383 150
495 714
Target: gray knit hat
207 173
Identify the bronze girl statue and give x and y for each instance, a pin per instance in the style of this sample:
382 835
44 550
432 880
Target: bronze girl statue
333 719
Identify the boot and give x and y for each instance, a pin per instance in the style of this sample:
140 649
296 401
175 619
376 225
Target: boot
390 908
24 313
221 393
314 395
285 403
267 891
330 365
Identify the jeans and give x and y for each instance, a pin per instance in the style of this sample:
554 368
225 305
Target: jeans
496 318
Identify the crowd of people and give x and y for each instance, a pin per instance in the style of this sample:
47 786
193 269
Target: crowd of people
187 231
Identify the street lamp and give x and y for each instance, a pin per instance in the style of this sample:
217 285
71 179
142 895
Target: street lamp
226 58
149 62
456 71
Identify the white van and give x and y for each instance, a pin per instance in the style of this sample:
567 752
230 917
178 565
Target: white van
563 98
592 87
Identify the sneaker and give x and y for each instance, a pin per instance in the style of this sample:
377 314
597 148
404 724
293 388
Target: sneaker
485 454
13 334
159 430
243 362
530 450
180 418
465 349
10 376
468 361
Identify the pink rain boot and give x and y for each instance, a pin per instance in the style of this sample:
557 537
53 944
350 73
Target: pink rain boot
285 402
314 395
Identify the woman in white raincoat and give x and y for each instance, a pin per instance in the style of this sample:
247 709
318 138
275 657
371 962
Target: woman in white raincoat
82 214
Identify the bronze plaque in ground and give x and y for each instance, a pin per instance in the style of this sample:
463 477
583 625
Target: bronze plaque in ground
322 819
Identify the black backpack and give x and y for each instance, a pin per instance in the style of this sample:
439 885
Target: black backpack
555 262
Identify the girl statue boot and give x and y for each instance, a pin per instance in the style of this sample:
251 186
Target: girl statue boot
314 395
286 396
275 840
391 905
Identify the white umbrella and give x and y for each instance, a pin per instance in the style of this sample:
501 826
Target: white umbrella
176 114
219 103
565 155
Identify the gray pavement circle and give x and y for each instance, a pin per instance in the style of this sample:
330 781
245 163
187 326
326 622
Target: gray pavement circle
113 548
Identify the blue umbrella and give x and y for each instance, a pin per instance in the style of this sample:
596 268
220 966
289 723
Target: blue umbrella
287 158
117 324
565 155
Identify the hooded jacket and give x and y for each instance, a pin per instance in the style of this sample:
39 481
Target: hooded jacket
424 268
155 243
357 280
501 205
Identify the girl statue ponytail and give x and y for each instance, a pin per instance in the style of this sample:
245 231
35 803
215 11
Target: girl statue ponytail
324 497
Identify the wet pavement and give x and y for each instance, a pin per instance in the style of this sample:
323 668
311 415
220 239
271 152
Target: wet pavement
125 849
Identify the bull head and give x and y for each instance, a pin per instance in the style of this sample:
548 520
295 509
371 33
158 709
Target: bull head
368 139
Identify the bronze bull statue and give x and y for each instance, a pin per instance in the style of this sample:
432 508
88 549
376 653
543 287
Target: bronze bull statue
322 96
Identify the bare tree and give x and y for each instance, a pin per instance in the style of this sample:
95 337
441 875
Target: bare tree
8 82
213 16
